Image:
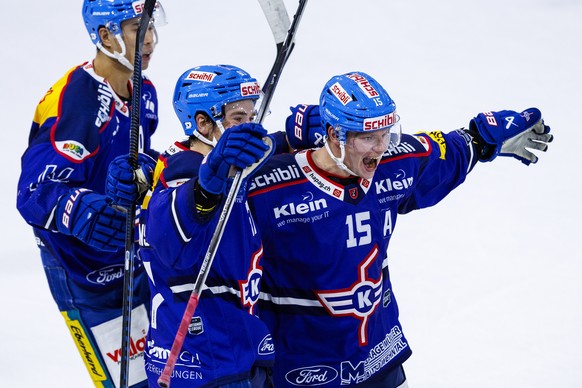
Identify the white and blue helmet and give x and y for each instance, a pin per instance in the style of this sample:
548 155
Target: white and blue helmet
110 14
207 89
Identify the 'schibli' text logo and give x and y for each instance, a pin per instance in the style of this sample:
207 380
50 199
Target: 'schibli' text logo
340 93
203 76
364 84
250 89
375 123
138 7
276 175
105 98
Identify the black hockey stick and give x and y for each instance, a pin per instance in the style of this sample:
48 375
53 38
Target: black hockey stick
275 23
144 22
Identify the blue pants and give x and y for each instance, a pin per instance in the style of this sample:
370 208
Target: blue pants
260 378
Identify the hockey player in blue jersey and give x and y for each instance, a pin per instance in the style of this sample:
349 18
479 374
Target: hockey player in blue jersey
226 344
80 125
326 217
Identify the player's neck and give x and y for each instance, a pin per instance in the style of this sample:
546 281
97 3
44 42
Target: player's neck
325 163
115 73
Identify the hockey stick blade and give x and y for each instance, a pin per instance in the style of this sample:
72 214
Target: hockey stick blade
283 52
128 275
277 17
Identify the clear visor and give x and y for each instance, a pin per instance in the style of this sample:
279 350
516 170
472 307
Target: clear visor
384 138
159 16
239 112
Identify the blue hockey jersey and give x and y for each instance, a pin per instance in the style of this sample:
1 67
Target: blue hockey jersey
326 293
225 338
79 127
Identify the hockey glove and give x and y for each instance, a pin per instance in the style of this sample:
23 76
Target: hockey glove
124 185
509 133
239 146
88 216
303 127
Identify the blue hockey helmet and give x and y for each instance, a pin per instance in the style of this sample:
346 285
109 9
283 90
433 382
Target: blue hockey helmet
208 89
356 102
110 14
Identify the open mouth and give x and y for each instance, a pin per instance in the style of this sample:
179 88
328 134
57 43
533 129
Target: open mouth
371 163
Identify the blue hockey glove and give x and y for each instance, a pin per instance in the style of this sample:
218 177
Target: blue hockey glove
239 146
88 216
303 127
509 133
124 185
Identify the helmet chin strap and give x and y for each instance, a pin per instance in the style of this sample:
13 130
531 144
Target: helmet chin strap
211 143
115 55
339 161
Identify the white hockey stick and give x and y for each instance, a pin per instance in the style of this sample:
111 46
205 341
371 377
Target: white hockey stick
276 15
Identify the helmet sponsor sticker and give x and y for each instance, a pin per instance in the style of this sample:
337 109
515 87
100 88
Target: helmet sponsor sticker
203 76
375 123
250 89
340 93
364 84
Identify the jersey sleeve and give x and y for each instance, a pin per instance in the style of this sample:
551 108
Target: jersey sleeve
448 159
172 220
64 137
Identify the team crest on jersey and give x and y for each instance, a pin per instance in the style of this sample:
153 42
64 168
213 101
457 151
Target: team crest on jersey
249 288
353 193
360 300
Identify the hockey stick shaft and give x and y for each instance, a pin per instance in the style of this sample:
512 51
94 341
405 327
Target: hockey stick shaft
282 55
130 216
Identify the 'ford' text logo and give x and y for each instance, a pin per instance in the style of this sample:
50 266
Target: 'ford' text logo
311 375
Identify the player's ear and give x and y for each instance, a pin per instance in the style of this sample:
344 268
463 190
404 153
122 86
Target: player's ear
204 124
106 37
331 134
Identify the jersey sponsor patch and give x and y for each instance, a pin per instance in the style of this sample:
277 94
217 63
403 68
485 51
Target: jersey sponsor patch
438 137
311 375
73 149
107 336
85 347
106 275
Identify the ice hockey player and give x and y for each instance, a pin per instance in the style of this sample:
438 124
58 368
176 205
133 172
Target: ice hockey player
226 344
326 217
80 125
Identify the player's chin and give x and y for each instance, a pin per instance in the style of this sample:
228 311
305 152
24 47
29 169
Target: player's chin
145 61
367 170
